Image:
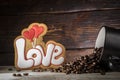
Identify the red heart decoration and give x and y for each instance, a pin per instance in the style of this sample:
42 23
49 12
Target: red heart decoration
29 34
38 30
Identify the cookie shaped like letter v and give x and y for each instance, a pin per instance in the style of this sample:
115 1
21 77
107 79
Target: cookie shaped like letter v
32 52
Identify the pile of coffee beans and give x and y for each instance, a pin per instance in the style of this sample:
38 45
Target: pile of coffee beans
20 74
82 64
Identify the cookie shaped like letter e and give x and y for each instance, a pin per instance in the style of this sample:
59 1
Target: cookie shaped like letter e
32 52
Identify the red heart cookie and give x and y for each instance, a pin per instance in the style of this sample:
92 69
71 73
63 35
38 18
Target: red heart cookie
29 34
38 30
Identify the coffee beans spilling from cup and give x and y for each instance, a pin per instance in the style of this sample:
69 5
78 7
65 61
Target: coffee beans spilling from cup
82 64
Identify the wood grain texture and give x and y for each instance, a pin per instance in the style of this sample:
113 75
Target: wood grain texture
55 6
73 23
74 30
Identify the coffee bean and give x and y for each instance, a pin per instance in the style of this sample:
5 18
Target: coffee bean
18 75
81 64
10 69
14 74
25 74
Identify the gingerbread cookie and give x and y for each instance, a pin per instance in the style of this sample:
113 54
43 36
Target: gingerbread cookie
32 52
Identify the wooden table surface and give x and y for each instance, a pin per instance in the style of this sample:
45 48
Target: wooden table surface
6 74
61 76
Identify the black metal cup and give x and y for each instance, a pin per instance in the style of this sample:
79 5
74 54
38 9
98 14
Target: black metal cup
109 39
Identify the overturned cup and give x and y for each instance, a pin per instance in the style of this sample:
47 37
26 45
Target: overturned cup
109 39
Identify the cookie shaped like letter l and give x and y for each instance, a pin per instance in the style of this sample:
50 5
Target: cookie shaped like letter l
32 52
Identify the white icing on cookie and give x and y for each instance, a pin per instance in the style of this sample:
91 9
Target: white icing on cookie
51 54
29 57
46 57
35 55
21 62
40 49
56 52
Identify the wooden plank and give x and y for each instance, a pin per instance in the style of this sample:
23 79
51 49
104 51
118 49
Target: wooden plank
72 54
7 46
75 25
74 30
55 6
7 59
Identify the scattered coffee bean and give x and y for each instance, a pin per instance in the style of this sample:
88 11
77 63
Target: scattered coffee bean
14 74
18 75
25 74
82 64
10 69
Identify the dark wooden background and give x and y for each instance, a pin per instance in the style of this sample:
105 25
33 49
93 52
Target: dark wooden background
74 23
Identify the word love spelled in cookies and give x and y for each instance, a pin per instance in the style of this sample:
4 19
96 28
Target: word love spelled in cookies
32 52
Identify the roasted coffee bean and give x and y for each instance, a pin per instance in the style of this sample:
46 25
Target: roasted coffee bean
14 74
68 72
82 57
25 74
81 64
10 69
18 75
